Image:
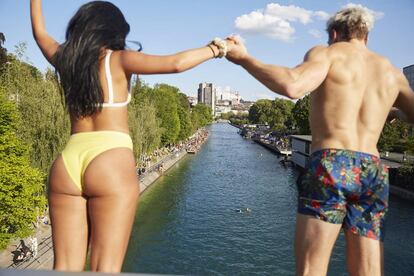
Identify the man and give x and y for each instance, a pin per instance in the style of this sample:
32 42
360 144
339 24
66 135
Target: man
353 90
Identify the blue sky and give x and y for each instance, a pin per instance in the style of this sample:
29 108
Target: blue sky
165 27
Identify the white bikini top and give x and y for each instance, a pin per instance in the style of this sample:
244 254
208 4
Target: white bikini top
110 102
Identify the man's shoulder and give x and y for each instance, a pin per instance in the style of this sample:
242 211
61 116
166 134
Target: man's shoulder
384 63
316 52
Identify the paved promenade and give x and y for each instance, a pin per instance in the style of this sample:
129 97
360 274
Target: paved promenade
44 258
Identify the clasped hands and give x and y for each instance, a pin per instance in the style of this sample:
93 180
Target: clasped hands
232 48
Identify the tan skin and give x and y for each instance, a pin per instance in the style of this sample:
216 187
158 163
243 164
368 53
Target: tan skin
353 90
102 215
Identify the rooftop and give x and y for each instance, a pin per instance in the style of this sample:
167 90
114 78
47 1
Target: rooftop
306 138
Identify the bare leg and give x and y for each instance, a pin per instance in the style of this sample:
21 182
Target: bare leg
314 241
69 220
113 190
364 255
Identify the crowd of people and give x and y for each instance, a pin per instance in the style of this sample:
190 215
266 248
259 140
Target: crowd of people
156 159
195 142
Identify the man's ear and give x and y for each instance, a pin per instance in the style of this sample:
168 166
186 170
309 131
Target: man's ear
333 36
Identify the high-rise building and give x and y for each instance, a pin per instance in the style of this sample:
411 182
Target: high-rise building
409 73
207 95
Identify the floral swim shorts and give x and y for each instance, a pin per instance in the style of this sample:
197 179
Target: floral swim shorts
346 187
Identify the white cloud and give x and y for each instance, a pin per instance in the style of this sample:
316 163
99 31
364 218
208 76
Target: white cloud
315 33
259 23
321 15
275 20
377 14
289 13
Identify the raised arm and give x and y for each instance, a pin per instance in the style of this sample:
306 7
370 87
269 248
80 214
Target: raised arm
46 43
139 63
293 83
405 100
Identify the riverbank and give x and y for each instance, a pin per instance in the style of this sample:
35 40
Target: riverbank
44 258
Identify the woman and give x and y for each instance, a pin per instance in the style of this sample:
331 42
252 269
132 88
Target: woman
93 186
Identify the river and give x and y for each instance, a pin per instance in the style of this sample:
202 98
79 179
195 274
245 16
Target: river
187 222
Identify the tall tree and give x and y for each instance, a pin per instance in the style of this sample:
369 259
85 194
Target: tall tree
394 137
301 112
259 112
22 196
165 97
280 118
184 115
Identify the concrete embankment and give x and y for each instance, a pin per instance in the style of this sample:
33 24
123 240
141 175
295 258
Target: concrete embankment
402 193
44 258
167 163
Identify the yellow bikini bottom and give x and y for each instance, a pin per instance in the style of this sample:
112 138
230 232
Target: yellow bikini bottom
83 147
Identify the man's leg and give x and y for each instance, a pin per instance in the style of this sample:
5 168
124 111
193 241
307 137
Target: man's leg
365 256
364 222
314 240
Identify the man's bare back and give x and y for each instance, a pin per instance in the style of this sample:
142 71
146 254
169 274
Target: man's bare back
350 107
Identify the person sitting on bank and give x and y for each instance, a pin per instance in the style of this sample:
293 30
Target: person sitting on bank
346 186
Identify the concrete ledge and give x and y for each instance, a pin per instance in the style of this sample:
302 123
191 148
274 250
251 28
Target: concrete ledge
150 178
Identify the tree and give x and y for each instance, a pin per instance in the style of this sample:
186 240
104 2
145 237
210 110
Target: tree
165 100
277 114
3 54
202 115
22 187
280 118
259 112
300 113
394 137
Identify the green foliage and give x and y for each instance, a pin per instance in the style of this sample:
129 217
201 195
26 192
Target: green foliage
301 113
145 126
165 99
22 187
185 123
184 113
277 113
394 137
282 118
260 112
201 116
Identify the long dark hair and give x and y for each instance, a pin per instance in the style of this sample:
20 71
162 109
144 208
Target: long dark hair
95 26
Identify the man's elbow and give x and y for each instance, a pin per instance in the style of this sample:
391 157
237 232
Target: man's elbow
291 91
